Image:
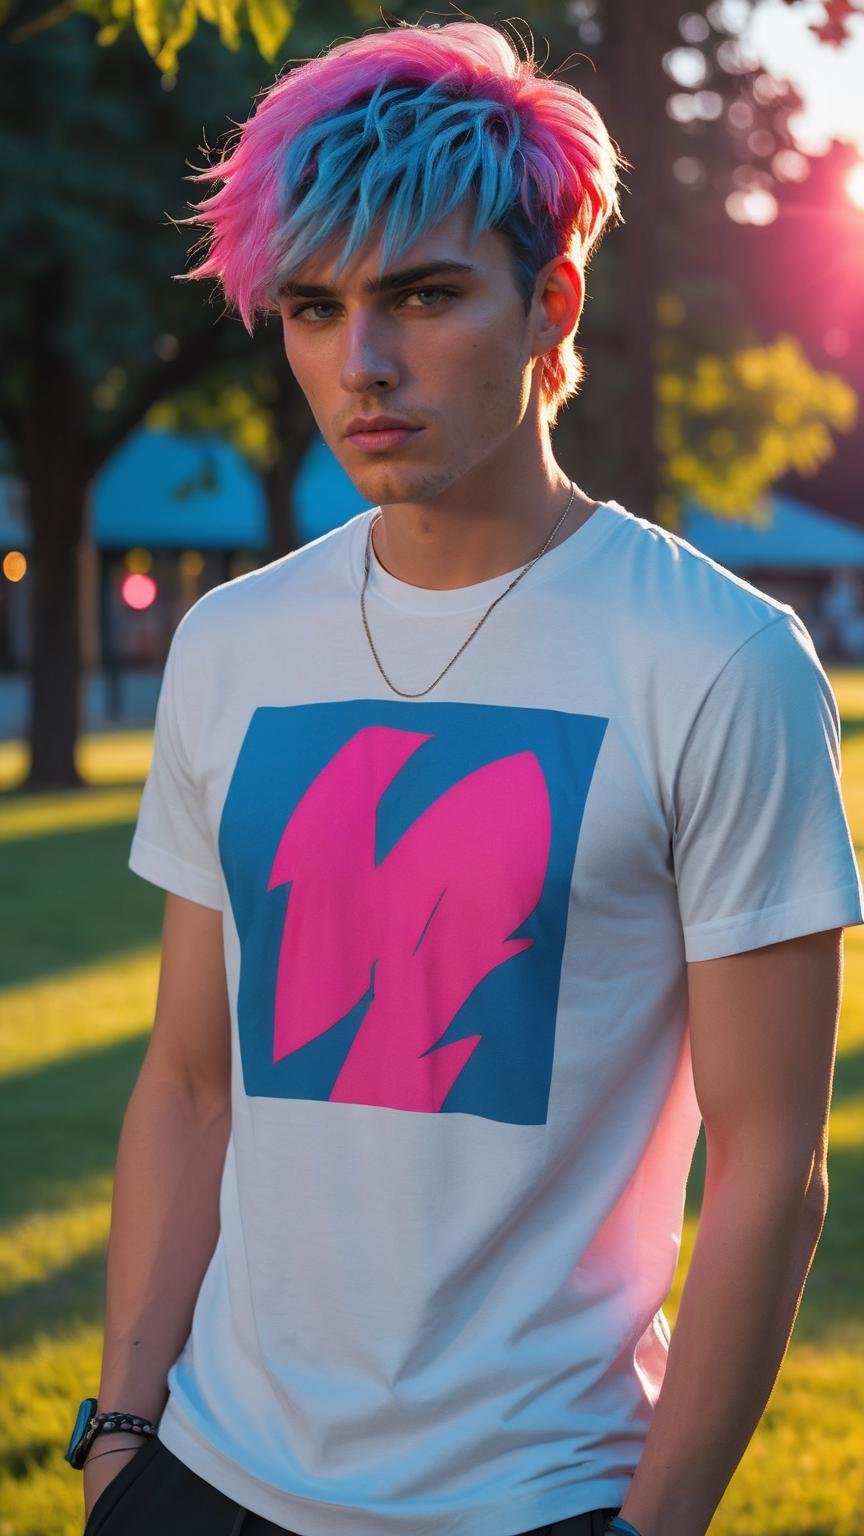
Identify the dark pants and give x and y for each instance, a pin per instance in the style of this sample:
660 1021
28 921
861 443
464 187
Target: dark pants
154 1494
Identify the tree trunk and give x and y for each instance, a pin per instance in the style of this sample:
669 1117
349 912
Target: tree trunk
55 667
616 443
53 468
636 90
297 429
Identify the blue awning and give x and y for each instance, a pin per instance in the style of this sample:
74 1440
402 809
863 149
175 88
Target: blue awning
168 492
323 496
794 536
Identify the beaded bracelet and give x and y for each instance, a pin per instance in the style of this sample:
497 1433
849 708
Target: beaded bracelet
104 1423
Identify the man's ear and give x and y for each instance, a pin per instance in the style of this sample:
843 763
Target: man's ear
559 299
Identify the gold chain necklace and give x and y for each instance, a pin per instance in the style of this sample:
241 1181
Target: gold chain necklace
525 569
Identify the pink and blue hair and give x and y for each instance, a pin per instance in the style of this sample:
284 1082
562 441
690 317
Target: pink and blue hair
397 128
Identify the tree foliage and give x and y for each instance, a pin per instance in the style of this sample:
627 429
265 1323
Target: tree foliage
731 424
222 403
166 26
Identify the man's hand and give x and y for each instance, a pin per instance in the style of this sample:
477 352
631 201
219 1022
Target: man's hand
100 1468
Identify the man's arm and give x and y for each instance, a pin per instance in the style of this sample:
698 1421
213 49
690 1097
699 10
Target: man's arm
763 1028
165 1208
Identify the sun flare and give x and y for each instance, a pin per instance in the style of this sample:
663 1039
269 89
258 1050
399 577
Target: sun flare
855 184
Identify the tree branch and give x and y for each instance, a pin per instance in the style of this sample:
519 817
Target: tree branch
47 19
199 352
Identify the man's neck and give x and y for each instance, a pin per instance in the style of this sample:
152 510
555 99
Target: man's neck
422 559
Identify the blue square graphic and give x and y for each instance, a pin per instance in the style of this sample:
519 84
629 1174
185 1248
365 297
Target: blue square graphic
411 864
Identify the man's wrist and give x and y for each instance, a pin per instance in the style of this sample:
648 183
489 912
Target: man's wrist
619 1524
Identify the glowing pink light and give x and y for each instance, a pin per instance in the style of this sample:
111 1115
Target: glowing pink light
754 207
137 590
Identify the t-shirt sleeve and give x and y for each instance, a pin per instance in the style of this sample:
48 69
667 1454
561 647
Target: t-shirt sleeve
172 844
761 845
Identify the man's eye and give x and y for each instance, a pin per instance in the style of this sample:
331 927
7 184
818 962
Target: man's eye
447 293
304 308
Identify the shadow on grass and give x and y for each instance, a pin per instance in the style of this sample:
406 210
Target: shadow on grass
849 1077
59 1126
851 726
66 1299
70 899
11 792
19 1464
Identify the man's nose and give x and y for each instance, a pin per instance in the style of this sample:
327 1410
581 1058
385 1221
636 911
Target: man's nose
366 359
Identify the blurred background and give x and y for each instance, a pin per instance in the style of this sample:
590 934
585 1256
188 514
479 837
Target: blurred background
150 450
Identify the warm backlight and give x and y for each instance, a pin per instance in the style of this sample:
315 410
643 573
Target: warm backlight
855 184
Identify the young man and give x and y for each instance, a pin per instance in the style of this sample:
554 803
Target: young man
503 841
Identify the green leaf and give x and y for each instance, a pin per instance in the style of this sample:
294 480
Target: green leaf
108 35
148 23
270 22
182 20
223 14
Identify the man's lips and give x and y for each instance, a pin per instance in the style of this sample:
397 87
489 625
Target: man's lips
383 439
378 423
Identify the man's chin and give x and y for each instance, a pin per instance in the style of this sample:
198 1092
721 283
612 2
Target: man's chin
384 483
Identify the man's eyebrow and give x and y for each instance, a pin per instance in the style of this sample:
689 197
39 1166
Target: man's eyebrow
384 284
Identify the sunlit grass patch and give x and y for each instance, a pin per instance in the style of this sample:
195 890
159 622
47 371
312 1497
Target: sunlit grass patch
77 1011
803 1474
107 758
46 815
40 1389
39 1247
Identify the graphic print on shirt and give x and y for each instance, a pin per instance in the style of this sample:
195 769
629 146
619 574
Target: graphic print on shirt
399 877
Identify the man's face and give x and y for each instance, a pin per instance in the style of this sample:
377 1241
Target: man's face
455 363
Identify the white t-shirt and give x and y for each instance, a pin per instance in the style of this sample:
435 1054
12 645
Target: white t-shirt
456 931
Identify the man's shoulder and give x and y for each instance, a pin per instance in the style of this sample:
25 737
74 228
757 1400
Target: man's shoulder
682 597
307 572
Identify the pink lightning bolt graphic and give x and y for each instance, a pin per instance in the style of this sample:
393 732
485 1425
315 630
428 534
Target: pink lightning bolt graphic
433 917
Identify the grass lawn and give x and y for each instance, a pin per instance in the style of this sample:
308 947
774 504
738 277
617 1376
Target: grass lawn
79 986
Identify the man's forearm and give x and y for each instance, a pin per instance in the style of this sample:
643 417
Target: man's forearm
164 1226
754 1247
